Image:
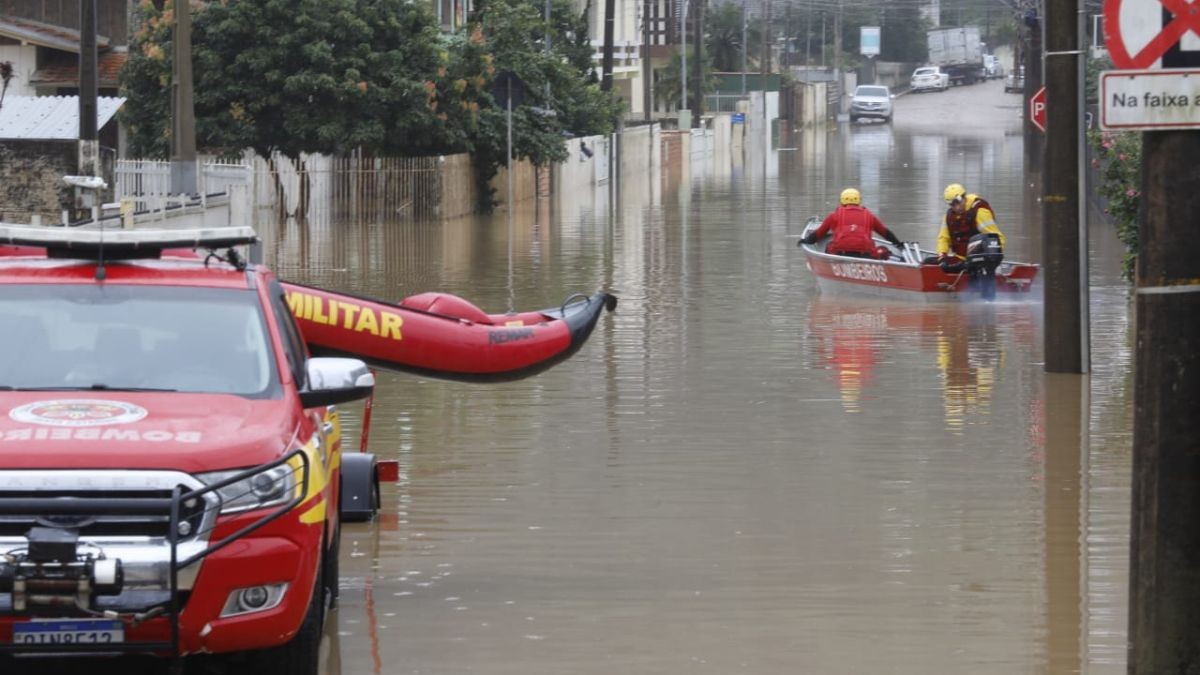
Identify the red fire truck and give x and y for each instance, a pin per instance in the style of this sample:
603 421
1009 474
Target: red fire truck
171 466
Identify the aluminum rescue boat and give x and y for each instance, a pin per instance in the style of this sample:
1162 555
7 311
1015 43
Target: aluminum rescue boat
905 274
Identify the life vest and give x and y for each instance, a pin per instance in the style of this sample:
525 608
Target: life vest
852 231
962 226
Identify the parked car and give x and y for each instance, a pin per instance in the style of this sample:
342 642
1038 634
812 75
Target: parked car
929 78
871 100
1015 81
992 67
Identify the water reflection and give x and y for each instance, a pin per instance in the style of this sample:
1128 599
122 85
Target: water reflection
967 341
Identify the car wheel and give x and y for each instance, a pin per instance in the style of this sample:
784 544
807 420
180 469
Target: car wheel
331 573
302 654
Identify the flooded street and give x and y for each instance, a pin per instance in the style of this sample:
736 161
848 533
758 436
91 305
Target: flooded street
738 474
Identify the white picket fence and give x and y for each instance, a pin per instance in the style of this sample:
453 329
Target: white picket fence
148 182
315 188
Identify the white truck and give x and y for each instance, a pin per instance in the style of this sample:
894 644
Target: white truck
959 53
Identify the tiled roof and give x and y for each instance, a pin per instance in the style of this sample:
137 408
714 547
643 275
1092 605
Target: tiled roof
44 34
67 72
49 117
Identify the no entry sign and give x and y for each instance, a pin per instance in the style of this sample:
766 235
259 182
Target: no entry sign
1156 45
1152 34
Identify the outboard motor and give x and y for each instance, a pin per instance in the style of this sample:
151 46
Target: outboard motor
984 255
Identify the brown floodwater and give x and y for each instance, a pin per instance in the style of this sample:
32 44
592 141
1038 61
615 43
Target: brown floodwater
738 474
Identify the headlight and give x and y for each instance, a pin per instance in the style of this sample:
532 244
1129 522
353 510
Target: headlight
269 487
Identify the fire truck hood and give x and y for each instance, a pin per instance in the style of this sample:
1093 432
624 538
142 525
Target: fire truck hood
142 430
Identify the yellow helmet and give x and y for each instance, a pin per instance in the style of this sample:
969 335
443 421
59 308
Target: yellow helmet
851 196
953 193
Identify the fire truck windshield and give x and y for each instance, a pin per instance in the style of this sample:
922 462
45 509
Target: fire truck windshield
111 336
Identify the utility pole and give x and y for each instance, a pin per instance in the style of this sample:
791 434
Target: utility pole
647 67
745 48
89 144
1064 231
837 50
1164 579
1034 138
698 65
610 10
683 71
183 115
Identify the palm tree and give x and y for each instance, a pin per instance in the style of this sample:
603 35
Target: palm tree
724 40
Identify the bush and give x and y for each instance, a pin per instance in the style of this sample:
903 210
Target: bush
1118 163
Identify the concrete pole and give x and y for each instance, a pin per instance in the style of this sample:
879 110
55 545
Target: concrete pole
745 48
647 67
1034 138
610 10
698 65
1164 569
89 151
183 115
765 66
1063 265
683 70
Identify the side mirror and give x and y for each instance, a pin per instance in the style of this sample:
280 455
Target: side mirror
333 380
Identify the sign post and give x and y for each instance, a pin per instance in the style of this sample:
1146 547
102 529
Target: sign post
1037 109
1155 44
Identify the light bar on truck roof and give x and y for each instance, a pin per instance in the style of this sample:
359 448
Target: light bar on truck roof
141 239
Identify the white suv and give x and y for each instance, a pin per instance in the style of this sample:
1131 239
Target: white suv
928 78
871 100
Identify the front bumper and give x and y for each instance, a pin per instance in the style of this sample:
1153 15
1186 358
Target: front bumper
174 582
870 111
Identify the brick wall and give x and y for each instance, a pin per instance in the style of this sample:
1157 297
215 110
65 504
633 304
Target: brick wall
31 179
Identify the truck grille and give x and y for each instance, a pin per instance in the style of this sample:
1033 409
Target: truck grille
102 525
117 490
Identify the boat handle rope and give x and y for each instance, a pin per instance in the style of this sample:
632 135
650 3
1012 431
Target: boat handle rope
571 297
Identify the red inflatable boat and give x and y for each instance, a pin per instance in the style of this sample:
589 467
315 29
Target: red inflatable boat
443 335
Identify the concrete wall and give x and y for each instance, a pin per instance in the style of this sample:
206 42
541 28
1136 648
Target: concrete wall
894 75
31 179
639 149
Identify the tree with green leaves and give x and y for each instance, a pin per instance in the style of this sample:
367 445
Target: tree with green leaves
724 39
669 88
329 76
563 97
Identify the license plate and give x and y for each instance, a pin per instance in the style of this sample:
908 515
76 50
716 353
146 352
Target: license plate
82 632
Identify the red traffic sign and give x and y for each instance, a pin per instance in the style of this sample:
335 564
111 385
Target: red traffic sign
1037 109
1146 39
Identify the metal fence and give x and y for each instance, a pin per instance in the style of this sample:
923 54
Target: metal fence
148 182
351 188
723 103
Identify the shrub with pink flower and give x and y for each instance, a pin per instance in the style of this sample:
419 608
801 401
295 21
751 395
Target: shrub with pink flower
1118 161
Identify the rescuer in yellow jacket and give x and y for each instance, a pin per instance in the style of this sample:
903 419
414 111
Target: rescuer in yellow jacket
967 216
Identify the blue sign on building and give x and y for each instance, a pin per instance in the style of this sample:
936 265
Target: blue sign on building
739 118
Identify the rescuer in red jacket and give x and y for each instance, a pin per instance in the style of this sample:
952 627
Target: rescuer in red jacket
853 226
